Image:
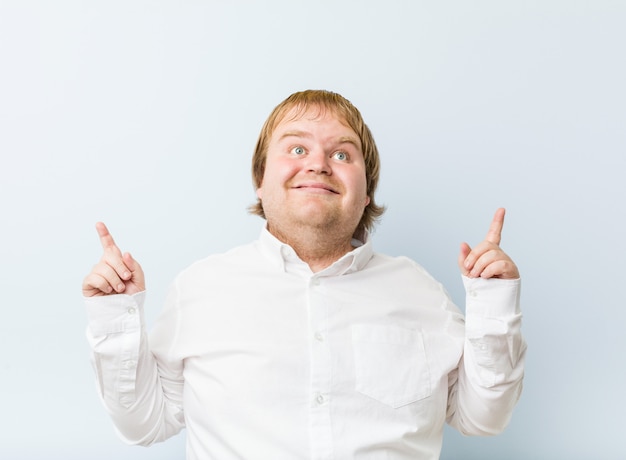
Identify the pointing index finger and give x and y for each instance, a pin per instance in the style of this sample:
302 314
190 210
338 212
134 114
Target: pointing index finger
106 240
494 235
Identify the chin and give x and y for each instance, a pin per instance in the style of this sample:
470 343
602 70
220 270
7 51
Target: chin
316 217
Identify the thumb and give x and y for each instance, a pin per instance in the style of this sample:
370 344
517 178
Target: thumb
130 262
135 269
463 253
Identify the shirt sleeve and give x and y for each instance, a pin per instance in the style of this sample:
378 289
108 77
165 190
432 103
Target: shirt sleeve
488 384
144 406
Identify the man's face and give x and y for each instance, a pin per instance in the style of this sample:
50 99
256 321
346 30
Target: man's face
314 175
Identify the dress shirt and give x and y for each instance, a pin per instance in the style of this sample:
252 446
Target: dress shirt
260 358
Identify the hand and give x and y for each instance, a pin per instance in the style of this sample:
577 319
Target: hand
116 273
487 260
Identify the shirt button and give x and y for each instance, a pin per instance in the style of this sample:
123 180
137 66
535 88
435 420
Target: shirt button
316 282
319 336
131 311
320 399
472 293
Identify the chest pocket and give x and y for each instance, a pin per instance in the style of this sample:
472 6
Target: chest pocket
390 364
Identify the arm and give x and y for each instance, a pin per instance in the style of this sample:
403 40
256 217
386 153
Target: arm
489 379
143 397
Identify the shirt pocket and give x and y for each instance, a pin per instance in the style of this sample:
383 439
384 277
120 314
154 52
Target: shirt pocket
390 364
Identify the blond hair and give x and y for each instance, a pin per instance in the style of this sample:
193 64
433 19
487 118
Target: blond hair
347 113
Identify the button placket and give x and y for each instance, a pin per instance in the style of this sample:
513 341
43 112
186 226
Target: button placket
321 433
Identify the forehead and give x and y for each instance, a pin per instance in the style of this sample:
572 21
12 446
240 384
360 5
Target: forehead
302 115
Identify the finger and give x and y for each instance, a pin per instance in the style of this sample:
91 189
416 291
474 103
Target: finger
494 264
112 254
478 251
110 276
494 235
137 275
130 262
106 240
463 253
96 284
501 268
485 260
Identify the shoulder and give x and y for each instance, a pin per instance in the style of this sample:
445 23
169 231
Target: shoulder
398 264
220 263
403 273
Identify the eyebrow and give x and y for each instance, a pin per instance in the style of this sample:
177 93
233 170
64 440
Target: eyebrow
306 135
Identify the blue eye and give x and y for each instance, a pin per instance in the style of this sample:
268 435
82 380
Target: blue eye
297 150
342 156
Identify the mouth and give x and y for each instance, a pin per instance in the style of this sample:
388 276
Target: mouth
319 187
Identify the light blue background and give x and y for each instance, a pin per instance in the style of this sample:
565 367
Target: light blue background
144 114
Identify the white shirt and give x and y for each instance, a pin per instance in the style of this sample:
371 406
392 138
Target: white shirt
260 358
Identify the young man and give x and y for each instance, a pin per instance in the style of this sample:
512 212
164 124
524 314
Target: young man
306 344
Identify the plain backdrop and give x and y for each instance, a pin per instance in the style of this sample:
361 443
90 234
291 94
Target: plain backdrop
144 114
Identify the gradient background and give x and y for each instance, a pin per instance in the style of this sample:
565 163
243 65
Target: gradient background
144 114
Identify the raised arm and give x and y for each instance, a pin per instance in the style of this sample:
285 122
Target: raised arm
492 369
143 398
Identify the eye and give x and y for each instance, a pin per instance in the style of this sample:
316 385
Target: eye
298 150
341 156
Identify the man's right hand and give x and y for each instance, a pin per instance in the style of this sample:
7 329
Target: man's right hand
116 273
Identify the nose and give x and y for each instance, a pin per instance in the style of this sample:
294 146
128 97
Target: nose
318 162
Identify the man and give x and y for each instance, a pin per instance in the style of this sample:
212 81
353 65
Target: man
305 344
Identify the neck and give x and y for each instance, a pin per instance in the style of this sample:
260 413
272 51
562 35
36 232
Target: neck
318 248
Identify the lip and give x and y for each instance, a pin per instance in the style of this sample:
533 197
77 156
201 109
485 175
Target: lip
316 187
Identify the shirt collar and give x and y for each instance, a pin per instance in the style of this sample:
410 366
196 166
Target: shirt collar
285 258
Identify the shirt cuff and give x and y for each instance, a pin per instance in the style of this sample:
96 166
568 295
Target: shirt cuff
112 314
495 298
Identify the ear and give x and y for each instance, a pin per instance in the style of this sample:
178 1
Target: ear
367 201
259 193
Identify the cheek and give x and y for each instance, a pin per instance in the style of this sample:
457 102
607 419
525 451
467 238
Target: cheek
279 173
360 184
